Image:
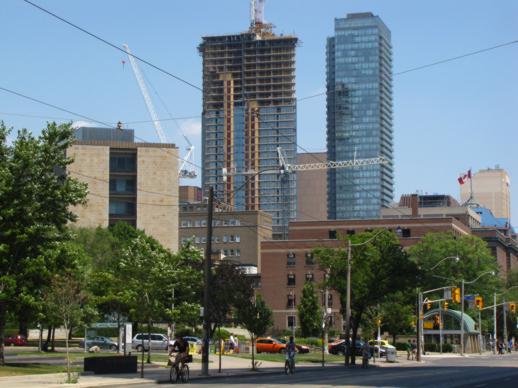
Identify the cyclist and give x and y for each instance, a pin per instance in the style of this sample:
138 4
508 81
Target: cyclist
290 353
181 348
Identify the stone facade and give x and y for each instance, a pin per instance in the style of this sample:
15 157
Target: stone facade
92 166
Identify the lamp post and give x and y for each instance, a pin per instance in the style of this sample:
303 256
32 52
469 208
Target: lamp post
462 307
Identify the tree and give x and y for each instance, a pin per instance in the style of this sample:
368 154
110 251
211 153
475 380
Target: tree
398 313
474 259
309 311
380 267
256 317
36 195
229 288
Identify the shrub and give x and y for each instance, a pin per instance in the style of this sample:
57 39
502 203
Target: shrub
400 346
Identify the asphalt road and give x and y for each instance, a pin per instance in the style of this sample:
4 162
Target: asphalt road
473 372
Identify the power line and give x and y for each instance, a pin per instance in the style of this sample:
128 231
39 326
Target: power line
178 78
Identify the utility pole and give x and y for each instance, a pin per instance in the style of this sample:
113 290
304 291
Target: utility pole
462 320
419 320
348 306
504 308
206 287
494 323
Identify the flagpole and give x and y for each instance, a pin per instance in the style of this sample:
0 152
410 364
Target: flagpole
470 186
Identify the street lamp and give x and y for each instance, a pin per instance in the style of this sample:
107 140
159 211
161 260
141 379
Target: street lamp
462 307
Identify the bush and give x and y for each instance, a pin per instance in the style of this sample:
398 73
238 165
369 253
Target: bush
221 334
310 341
446 348
400 345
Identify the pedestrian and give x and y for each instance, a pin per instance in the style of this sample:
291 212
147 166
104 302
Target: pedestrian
500 347
510 346
414 350
232 343
408 348
365 354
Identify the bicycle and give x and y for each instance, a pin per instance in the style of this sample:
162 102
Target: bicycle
289 364
180 374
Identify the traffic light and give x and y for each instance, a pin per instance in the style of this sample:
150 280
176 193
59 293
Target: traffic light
428 306
445 306
479 302
455 295
512 307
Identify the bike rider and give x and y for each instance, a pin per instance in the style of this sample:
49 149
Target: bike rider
181 348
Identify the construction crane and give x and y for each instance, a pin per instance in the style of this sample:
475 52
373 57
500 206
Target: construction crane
182 171
284 166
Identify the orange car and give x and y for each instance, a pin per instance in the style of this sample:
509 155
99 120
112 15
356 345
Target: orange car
269 345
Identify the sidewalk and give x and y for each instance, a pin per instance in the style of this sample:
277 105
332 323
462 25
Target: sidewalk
157 372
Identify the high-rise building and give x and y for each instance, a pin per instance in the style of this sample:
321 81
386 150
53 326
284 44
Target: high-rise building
128 182
249 109
311 188
359 116
491 189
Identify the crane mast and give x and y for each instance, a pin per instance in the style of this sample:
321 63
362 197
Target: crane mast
145 94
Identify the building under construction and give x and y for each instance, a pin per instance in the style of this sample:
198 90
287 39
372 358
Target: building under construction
249 109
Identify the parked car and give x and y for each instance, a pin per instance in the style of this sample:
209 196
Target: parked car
193 339
338 347
380 347
269 345
158 342
18 340
300 348
102 342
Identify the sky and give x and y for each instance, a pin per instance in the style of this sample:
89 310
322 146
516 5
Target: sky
447 118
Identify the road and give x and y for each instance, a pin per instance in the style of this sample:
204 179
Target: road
473 372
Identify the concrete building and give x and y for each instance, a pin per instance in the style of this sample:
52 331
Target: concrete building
249 109
311 188
492 190
127 181
236 234
359 116
287 264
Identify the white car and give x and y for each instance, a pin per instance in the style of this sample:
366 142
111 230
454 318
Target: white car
380 347
158 342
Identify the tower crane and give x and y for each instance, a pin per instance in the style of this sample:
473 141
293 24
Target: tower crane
182 171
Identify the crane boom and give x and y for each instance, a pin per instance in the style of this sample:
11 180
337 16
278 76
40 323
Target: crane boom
284 165
145 94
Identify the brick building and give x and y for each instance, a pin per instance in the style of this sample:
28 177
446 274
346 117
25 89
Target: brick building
286 265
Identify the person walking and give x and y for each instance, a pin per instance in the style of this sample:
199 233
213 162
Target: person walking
408 348
414 349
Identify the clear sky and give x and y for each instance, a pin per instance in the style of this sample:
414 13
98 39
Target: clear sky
447 118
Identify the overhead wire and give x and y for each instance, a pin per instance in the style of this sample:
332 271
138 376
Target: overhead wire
95 36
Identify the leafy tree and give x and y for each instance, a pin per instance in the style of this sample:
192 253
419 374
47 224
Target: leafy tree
256 317
309 311
380 267
474 259
36 196
398 313
229 288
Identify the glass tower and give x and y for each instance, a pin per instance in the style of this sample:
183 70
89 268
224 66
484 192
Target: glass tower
249 109
359 116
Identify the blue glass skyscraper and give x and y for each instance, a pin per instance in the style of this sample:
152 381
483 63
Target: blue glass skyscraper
359 116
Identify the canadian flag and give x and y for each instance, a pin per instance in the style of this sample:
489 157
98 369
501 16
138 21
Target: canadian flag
464 177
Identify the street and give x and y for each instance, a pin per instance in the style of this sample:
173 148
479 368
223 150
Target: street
474 371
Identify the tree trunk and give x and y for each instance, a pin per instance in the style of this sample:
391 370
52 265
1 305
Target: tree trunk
253 354
353 344
69 380
2 333
53 339
394 337
149 341
22 328
45 346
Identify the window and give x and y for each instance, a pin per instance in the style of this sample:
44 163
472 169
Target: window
123 163
184 223
291 301
225 238
310 277
332 234
292 322
329 300
122 185
291 259
291 279
350 232
238 252
232 238
238 238
122 208
197 240
310 260
406 232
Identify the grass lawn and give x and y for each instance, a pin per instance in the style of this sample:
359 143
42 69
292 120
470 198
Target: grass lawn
312 357
31 369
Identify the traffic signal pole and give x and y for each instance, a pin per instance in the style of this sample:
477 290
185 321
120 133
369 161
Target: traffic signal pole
494 323
504 307
206 287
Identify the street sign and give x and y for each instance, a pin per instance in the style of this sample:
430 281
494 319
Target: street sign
103 325
447 294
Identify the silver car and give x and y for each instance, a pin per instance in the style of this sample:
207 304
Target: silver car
158 342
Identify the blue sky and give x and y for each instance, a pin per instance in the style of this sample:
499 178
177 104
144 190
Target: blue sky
447 118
